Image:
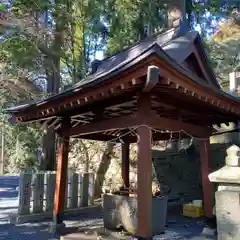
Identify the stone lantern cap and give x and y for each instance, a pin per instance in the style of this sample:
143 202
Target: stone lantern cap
230 173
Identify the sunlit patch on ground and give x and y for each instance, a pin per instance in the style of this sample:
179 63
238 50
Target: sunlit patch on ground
5 189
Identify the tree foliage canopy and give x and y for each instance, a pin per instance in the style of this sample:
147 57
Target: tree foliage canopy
46 46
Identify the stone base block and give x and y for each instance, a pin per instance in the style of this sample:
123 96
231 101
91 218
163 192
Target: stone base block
228 212
94 210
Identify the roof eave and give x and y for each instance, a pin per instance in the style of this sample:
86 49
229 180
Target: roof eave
153 49
211 73
27 107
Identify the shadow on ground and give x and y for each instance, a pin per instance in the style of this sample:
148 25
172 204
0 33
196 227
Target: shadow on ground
28 231
8 185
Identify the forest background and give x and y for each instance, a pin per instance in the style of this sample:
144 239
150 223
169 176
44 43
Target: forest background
47 46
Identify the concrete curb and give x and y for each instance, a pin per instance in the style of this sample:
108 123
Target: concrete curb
47 216
89 211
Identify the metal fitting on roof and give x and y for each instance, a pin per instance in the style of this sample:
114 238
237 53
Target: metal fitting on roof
152 78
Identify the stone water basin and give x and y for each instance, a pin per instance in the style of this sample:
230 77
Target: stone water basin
120 211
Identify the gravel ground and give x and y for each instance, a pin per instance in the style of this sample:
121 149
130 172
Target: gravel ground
8 206
27 231
179 228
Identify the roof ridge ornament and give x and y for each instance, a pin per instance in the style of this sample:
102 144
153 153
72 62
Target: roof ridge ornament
94 65
182 29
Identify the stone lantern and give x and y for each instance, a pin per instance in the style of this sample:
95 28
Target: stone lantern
228 196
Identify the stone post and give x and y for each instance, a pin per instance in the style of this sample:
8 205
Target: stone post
84 190
80 189
66 203
38 190
73 193
234 83
91 188
50 181
228 195
24 193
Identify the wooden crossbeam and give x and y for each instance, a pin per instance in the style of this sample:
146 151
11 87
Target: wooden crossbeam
158 122
104 125
152 120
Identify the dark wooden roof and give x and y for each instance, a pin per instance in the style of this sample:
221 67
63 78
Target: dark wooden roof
178 49
186 91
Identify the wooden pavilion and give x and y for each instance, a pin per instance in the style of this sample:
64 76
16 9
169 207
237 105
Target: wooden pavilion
159 88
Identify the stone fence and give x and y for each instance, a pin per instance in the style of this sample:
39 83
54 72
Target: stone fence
36 194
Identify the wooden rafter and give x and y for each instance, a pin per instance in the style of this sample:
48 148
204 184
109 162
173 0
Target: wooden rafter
190 87
191 107
124 82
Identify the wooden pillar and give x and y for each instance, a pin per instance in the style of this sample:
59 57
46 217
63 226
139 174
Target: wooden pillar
61 175
205 157
144 183
125 164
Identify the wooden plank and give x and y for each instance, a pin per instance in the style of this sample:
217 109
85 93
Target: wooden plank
205 157
61 175
144 183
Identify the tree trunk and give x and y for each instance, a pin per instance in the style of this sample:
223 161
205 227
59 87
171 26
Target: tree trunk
52 65
102 169
48 161
2 152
